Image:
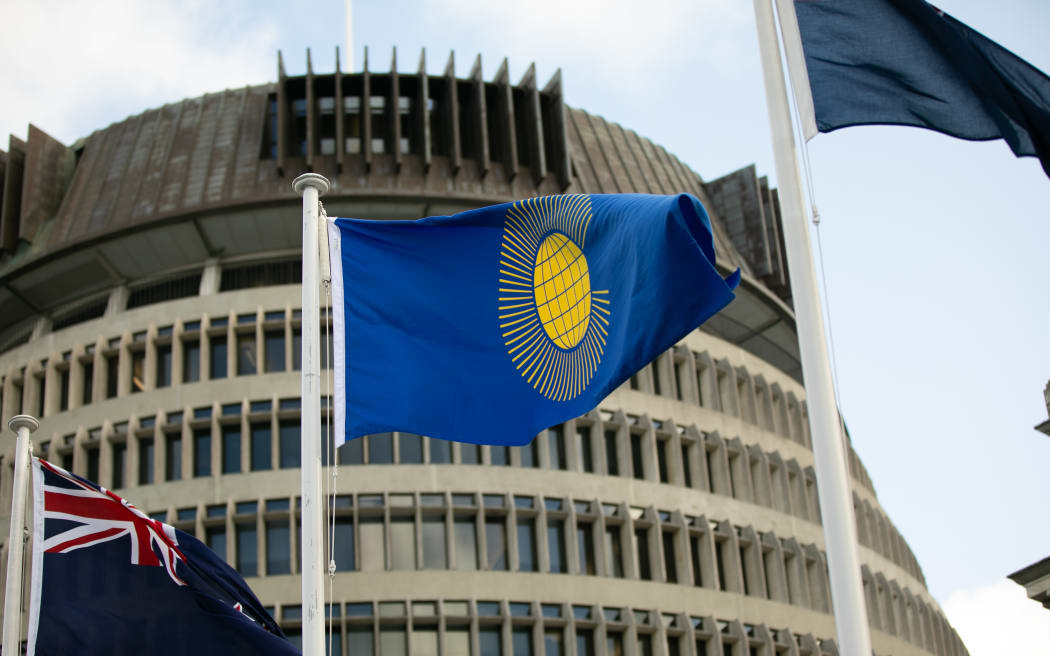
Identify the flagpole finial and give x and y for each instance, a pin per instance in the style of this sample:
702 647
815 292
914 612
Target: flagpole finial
306 180
23 421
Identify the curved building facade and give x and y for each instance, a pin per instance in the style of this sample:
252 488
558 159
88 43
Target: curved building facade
149 315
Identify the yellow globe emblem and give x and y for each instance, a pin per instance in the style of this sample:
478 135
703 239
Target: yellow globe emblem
562 289
552 322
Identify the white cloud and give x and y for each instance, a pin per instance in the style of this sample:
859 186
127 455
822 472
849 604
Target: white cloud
999 619
73 67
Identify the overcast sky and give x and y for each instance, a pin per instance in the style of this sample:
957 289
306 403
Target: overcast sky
935 249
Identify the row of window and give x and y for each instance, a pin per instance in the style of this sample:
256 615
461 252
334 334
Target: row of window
499 628
521 533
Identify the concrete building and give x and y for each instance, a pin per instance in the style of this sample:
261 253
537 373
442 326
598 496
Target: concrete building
149 315
1036 577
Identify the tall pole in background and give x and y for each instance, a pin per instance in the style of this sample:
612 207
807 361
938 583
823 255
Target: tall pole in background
311 186
829 455
22 425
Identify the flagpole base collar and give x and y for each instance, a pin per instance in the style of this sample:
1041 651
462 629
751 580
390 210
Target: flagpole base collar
315 180
23 421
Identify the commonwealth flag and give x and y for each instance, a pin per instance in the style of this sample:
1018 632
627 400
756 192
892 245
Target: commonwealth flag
489 325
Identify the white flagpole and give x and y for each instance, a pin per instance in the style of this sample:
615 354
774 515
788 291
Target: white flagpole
22 425
311 186
836 498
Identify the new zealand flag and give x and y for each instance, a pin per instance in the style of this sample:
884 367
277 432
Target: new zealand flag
107 579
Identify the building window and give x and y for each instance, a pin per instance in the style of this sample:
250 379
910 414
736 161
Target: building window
246 358
613 552
352 124
120 454
381 449
377 107
409 448
585 547
583 449
521 642
526 532
215 538
202 452
489 642
278 547
402 543
440 451
457 641
636 456
146 461
274 345
641 551
661 460
288 443
191 361
112 375
584 642
63 389
687 467
261 440
231 449
173 457
326 108
499 455
372 544
528 454
297 349
466 543
89 382
556 546
352 452
138 371
247 548
218 357
164 365
434 550
645 644
556 446
469 454
670 564
495 543
92 463
612 461
343 553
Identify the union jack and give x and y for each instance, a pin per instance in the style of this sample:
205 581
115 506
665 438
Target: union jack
104 516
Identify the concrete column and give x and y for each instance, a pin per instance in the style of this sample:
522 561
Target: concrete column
210 277
760 478
740 471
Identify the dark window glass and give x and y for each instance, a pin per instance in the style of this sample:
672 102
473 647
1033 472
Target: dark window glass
215 537
466 544
166 290
674 646
381 449
720 565
288 444
191 361
490 642
352 452
583 449
552 643
278 547
297 349
112 373
173 456
402 543
218 357
614 644
373 533
496 543
526 532
202 452
89 382
434 550
92 464
63 390
641 544
470 454
613 552
612 462
636 456
359 640
231 449
670 565
440 451
274 345
120 455
661 460
344 544
645 644
67 461
556 546
687 469
584 642
499 455
261 441
146 461
585 545
521 642
164 365
694 554
138 371
556 446
529 458
247 550
246 358
410 448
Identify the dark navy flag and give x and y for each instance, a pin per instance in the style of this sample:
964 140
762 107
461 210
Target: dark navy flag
490 325
109 580
905 62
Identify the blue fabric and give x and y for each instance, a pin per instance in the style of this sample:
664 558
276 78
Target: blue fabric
432 309
904 62
96 599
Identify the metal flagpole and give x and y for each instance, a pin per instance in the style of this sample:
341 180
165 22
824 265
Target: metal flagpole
836 498
311 186
22 425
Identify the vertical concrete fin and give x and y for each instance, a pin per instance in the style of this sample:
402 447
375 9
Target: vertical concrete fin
557 131
479 117
282 115
505 120
340 116
537 155
311 114
366 114
422 100
452 103
11 211
393 111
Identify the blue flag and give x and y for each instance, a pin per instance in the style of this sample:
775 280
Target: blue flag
109 580
490 325
905 62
